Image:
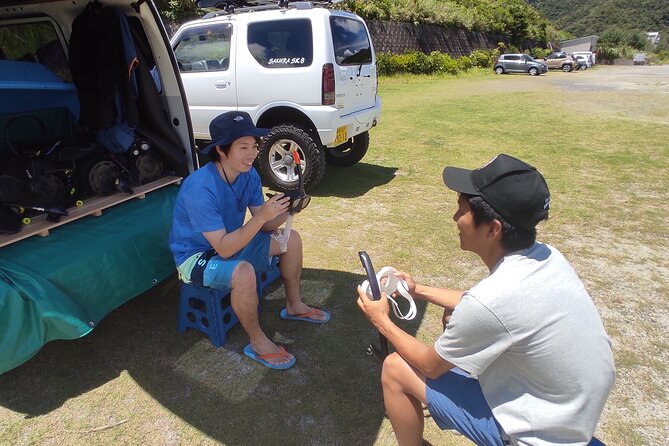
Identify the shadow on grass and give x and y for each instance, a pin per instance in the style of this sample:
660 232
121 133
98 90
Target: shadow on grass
354 181
331 396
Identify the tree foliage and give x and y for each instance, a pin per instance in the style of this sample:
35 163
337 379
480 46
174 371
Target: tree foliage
514 18
613 20
177 11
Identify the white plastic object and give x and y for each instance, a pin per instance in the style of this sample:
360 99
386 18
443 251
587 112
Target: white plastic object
390 285
284 234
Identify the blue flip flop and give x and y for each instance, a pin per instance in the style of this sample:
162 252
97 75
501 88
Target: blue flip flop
248 351
306 317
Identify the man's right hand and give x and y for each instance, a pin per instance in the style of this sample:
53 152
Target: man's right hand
411 284
274 207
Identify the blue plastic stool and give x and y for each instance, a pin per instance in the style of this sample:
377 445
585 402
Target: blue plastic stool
209 310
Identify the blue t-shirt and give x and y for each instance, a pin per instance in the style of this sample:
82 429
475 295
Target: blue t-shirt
205 203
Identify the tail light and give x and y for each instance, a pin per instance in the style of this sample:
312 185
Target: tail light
328 89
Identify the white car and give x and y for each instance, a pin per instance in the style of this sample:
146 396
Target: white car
589 56
583 61
307 72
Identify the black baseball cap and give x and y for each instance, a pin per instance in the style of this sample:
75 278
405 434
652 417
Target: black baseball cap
229 126
513 188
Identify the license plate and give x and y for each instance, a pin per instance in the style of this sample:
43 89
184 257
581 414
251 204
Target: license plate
342 136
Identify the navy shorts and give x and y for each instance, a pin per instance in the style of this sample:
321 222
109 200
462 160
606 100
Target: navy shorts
455 401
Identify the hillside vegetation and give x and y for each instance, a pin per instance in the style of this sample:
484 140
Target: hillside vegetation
605 17
514 18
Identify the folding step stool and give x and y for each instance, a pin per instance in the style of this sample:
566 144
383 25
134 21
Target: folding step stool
209 310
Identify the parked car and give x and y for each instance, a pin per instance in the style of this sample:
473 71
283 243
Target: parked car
83 230
306 72
591 57
582 61
560 61
519 63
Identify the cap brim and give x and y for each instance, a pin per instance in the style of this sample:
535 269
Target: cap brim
459 180
257 132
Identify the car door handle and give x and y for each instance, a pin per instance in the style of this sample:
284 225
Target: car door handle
220 85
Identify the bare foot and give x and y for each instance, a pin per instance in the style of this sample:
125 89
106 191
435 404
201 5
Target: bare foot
302 308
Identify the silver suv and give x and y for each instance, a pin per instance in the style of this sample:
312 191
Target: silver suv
561 61
519 63
307 72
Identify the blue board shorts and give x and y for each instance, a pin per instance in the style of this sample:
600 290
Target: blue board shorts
455 401
218 270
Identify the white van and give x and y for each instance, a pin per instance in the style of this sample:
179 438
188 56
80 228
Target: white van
307 72
94 136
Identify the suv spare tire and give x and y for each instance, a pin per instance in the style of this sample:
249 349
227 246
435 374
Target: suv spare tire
350 152
275 158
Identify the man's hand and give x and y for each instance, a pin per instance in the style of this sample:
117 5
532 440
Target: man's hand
376 311
411 284
274 207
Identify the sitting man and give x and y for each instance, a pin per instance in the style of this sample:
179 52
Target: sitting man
214 247
524 358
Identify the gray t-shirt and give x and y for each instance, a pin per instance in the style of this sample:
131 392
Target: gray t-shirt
532 335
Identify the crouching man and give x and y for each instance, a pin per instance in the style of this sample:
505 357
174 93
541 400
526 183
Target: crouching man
524 358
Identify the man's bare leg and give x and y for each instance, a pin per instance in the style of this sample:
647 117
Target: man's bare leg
403 393
290 267
244 301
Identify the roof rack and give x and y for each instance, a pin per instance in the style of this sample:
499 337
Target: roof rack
225 7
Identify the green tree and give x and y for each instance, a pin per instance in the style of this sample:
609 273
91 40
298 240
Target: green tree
177 11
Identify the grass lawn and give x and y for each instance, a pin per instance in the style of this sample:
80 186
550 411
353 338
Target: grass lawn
603 149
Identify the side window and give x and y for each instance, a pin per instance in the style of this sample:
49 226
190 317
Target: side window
514 58
350 41
204 49
281 43
34 42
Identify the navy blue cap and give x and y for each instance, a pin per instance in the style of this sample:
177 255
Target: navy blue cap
229 126
513 188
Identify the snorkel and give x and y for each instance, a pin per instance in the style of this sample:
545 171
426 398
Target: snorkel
298 201
375 290
386 281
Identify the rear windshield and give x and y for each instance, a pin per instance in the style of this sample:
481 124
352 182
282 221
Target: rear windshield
350 40
281 43
34 42
204 48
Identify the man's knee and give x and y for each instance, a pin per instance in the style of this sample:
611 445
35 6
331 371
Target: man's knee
243 276
393 368
295 241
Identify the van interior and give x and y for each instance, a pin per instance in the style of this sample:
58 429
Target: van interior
95 136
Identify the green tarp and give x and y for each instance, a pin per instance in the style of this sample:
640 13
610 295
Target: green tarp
61 286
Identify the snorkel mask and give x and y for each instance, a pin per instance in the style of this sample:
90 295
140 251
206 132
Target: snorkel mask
298 198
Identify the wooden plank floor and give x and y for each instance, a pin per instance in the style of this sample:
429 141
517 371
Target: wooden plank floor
39 225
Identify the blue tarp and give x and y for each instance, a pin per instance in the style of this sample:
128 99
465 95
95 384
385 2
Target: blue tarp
29 86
